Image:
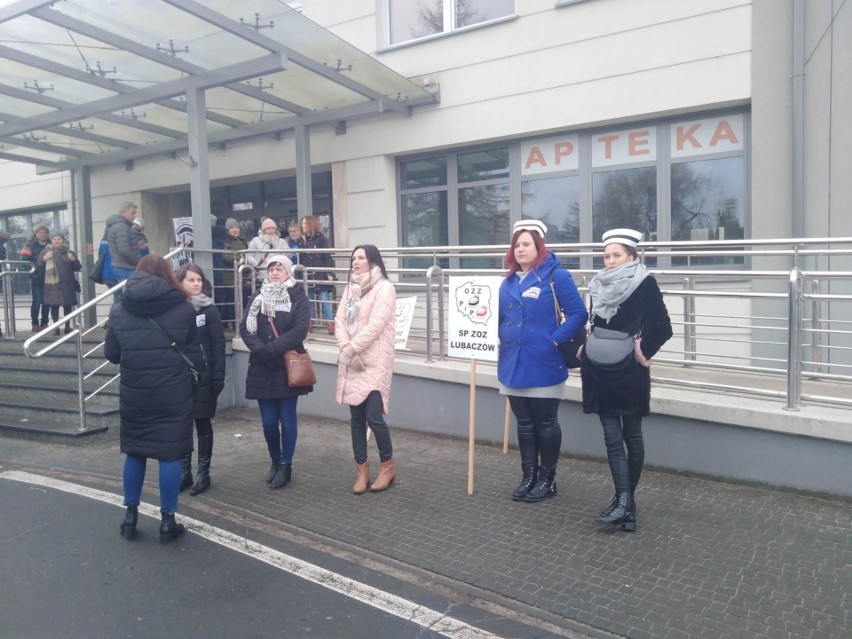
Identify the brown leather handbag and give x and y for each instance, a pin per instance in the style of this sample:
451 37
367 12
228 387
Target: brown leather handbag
299 367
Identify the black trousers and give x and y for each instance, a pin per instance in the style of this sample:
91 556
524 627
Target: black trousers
371 411
622 431
539 433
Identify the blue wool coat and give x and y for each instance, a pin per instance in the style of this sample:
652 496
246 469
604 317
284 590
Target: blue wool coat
528 328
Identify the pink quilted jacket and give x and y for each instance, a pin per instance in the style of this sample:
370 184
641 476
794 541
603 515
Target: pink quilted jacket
373 340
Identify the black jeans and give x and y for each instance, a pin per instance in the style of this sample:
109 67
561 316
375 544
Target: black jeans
626 467
539 433
371 411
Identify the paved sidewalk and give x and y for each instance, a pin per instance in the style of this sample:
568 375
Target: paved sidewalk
709 559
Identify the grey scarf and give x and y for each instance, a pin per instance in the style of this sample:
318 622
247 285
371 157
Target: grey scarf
271 295
200 301
609 288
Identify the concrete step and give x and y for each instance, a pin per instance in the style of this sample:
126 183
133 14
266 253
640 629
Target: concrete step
61 430
54 378
67 394
50 409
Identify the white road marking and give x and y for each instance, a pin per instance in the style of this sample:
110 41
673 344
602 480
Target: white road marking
379 599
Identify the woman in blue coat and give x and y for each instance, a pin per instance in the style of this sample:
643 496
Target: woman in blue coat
530 368
207 353
147 329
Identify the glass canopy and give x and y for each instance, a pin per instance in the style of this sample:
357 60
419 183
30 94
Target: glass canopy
93 82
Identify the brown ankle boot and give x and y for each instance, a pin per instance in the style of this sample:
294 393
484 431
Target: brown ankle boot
362 477
387 473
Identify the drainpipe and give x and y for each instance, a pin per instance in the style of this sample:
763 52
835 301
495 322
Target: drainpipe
798 221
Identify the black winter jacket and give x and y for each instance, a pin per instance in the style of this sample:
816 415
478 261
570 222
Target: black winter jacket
628 391
267 377
155 396
316 260
207 352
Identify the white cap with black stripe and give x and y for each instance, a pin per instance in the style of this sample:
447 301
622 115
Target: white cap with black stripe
628 237
536 226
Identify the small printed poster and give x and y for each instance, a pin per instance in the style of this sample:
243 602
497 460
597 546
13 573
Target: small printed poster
183 237
472 321
404 315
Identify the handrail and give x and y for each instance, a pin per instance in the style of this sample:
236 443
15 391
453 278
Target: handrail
729 318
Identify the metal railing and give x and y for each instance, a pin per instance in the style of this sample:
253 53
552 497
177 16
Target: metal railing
778 332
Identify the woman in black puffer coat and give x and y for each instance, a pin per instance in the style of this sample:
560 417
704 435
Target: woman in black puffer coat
207 353
624 298
281 300
155 396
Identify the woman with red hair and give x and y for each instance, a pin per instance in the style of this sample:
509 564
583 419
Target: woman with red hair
530 368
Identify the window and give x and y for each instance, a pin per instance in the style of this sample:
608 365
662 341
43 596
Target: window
682 180
413 19
21 226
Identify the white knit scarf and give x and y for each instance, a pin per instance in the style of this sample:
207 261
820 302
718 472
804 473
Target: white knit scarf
271 295
359 285
610 287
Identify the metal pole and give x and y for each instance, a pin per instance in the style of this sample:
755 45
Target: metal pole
794 340
81 396
817 352
429 314
441 326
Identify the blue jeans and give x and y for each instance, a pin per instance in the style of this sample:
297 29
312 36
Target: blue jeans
134 477
323 297
121 274
37 287
280 427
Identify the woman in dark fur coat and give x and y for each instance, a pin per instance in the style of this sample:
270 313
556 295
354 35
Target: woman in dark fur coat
624 298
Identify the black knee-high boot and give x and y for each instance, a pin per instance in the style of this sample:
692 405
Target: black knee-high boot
185 472
528 446
205 453
549 443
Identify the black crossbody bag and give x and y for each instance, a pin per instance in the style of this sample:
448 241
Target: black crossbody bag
194 375
568 349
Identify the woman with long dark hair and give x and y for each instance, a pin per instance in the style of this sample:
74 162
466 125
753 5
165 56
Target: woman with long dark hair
147 331
316 261
530 368
276 321
207 352
625 298
365 336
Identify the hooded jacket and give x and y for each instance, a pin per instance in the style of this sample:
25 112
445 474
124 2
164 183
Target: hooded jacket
529 330
122 250
155 396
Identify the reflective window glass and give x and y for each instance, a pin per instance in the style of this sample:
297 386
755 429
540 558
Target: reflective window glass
470 12
625 198
708 204
484 219
554 201
412 19
483 165
423 173
424 223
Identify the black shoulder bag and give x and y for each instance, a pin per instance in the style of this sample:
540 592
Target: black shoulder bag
568 349
194 375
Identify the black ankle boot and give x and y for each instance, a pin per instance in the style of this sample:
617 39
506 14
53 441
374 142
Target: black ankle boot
530 477
282 476
185 472
545 487
205 452
169 528
622 514
606 511
272 470
128 526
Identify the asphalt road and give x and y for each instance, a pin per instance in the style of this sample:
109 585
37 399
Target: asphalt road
66 572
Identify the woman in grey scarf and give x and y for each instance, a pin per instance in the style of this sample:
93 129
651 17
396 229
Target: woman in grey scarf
624 298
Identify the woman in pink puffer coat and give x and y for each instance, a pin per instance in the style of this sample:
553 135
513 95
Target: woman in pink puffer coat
364 329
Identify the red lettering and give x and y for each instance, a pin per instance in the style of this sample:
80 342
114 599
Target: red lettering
687 136
562 150
724 131
635 139
535 157
607 141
